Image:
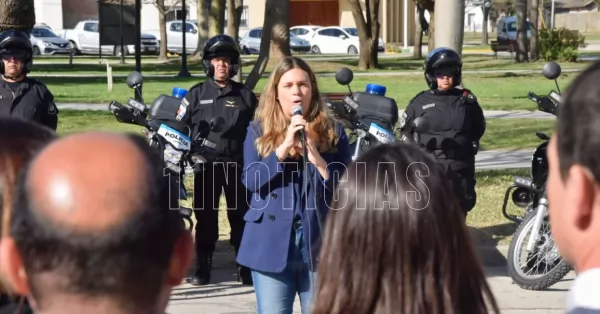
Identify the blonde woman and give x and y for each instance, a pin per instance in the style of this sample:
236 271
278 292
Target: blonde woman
20 140
289 200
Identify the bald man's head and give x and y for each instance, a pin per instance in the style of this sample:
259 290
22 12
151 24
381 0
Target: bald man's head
92 217
89 181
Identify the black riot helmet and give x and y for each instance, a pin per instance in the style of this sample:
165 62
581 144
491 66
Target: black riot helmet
220 46
16 43
443 60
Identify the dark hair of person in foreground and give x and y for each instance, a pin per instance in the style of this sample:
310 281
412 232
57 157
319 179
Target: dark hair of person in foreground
411 255
128 263
19 142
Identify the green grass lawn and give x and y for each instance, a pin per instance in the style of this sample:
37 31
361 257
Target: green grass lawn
471 62
506 91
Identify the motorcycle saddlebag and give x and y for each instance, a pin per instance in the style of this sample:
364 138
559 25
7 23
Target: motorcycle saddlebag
376 108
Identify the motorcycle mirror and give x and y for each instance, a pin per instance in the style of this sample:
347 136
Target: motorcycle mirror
216 124
134 79
421 125
344 76
551 70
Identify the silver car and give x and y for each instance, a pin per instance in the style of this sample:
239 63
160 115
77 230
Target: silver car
46 42
250 43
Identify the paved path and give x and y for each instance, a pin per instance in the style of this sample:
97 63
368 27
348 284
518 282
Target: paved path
229 297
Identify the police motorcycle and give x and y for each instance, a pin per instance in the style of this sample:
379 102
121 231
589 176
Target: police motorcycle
170 137
544 266
369 115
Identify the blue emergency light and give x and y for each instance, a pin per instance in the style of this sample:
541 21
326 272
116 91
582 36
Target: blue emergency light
179 92
376 89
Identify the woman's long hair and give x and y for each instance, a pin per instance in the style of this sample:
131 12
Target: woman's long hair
19 141
396 242
274 122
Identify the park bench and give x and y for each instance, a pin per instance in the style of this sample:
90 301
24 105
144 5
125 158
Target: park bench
496 46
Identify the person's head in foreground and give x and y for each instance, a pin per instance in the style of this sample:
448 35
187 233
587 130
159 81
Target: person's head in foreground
20 141
396 241
92 230
292 83
574 173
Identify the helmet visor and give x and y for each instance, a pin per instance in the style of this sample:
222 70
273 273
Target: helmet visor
444 71
14 54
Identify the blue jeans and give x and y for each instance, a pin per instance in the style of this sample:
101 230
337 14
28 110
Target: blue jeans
275 292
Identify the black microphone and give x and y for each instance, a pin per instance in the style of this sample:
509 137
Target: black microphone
297 110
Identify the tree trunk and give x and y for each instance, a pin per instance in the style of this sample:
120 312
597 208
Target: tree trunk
484 27
275 38
417 50
451 35
534 51
202 13
521 55
17 14
280 32
431 31
368 32
216 18
162 26
235 9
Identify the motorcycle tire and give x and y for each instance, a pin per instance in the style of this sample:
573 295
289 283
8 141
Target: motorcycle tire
539 283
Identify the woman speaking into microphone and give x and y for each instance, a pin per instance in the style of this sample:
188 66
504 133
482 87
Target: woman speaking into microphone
291 190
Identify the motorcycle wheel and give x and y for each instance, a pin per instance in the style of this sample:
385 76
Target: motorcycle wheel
547 268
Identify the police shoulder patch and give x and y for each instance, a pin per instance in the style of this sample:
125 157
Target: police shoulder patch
52 109
403 120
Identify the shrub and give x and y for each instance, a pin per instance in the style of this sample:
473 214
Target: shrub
560 44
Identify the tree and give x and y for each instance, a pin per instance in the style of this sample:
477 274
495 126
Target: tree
162 24
368 31
275 38
202 13
421 27
453 19
235 8
534 51
17 14
216 18
429 6
521 55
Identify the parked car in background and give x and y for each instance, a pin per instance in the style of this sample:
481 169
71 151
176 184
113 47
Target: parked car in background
46 42
85 39
335 39
175 37
250 43
305 32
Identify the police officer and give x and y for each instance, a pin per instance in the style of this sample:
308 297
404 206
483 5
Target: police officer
456 121
219 96
21 96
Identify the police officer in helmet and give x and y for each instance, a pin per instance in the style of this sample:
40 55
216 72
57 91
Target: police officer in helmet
21 96
456 120
219 96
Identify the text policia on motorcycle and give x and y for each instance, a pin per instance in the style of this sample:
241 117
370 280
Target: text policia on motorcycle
219 96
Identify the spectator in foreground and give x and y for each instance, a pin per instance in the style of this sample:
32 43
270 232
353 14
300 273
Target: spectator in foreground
396 242
573 187
20 141
100 238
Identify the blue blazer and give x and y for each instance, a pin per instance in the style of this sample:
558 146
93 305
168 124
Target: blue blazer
266 239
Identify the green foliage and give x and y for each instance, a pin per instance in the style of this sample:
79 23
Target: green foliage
560 44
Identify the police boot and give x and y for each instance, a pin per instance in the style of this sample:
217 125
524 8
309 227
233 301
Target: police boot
204 265
243 273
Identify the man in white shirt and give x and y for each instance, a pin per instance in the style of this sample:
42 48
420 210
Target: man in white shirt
574 188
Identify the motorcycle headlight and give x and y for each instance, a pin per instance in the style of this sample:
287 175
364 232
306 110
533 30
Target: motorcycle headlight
521 197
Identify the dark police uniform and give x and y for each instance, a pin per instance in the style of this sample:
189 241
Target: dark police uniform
30 100
236 104
457 124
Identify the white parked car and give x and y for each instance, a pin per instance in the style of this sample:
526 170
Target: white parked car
46 42
336 39
250 42
305 32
